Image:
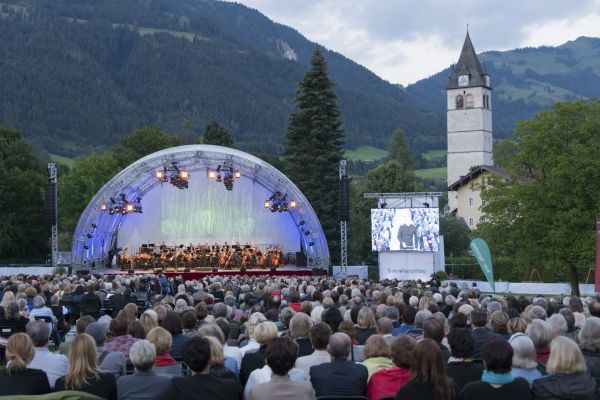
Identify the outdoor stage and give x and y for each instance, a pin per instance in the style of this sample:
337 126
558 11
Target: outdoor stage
288 270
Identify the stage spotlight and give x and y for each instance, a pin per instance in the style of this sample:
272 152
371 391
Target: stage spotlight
184 175
103 207
267 204
89 235
111 212
129 208
212 174
237 174
293 204
162 176
94 226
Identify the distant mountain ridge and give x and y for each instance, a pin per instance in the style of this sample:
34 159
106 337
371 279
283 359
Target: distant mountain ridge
527 80
78 74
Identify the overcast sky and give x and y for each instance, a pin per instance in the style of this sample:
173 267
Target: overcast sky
406 40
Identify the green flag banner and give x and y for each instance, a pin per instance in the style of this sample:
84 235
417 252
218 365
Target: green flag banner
481 251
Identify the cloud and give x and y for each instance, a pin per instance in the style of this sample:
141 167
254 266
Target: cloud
403 41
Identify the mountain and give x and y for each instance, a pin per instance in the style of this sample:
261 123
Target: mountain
527 80
79 74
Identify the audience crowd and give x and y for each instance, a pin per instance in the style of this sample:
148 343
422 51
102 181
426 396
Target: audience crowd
135 337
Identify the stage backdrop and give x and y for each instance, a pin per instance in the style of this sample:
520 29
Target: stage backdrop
406 265
207 212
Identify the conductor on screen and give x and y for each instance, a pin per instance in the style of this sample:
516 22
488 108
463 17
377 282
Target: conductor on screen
407 231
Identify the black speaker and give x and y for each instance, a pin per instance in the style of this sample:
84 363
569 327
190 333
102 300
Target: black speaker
50 203
344 199
300 259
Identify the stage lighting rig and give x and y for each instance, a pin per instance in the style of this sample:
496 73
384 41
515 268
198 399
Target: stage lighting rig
278 202
225 174
122 205
176 176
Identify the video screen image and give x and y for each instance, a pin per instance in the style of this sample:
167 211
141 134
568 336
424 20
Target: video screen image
410 229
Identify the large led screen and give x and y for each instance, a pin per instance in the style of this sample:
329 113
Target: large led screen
410 229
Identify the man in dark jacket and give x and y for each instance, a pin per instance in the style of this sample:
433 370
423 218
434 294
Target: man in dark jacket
340 377
480 333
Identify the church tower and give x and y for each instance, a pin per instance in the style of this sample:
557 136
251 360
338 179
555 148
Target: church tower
469 117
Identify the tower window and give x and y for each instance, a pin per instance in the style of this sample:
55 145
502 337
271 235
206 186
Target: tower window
470 221
470 101
486 101
471 202
460 102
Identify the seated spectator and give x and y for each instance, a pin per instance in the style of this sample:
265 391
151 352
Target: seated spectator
340 377
499 323
173 323
386 382
164 362
299 331
433 329
201 385
149 319
136 330
524 364
540 334
189 319
281 354
480 332
54 365
217 363
229 351
589 342
16 378
90 303
568 376
84 374
516 325
111 361
319 338
121 341
144 383
461 365
332 317
219 360
252 344
365 325
377 354
40 311
420 318
428 379
497 382
80 326
12 318
408 321
263 333
572 332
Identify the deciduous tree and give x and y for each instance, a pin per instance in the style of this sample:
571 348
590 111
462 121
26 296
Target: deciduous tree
216 134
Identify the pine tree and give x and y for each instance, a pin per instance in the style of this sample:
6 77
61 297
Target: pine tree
216 134
313 148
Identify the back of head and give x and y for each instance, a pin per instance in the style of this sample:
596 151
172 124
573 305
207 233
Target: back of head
497 355
211 330
461 343
365 318
142 355
98 332
319 335
83 322
384 326
589 335
300 325
539 332
220 310
19 353
402 349
594 309
39 333
479 318
408 315
281 354
264 332
118 326
565 357
524 354
196 354
161 339
428 367
421 317
433 329
333 318
83 363
537 312
376 346
558 325
339 346
173 323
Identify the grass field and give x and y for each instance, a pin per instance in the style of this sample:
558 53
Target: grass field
366 153
436 174
62 160
433 154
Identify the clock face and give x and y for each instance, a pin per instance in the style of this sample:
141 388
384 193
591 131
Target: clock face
463 80
487 80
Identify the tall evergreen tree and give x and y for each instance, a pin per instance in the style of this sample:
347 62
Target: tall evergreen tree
216 134
399 150
313 147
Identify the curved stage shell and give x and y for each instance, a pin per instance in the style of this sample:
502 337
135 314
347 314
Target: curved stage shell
205 212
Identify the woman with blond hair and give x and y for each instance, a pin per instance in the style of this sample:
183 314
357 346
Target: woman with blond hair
568 377
149 320
84 374
365 325
7 298
16 378
162 341
377 354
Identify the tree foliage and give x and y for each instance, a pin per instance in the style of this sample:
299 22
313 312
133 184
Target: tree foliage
141 142
314 147
399 151
457 236
545 214
216 134
23 233
387 178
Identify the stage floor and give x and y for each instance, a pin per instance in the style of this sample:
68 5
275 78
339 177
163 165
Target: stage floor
289 270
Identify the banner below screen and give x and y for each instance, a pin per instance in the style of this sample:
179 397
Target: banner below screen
404 265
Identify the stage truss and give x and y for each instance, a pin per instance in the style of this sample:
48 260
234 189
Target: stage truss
138 179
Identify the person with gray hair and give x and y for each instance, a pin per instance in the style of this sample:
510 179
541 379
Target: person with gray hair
572 331
41 312
589 342
299 331
537 312
55 365
558 325
340 377
111 361
420 318
541 335
524 362
143 384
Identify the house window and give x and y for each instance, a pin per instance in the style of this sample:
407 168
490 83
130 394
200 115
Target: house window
471 202
470 221
459 102
470 101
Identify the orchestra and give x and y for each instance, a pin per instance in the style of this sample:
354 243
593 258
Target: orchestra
201 257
